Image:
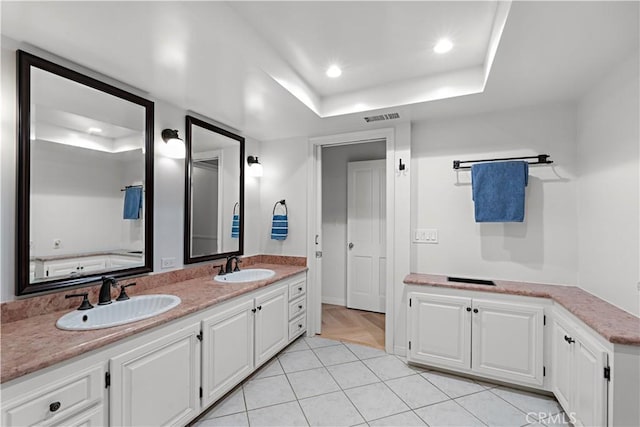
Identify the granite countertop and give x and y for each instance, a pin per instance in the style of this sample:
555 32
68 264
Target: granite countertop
614 324
35 343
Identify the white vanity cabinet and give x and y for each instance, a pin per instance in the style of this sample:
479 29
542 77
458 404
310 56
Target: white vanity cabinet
70 395
81 265
240 336
579 367
157 383
496 339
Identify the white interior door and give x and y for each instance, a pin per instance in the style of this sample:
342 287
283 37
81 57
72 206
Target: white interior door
366 235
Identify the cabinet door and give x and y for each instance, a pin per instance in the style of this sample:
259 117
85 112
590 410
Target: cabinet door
61 268
90 264
157 384
590 392
508 341
272 323
439 330
227 352
562 364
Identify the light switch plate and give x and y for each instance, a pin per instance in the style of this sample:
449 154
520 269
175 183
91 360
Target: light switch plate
168 262
425 235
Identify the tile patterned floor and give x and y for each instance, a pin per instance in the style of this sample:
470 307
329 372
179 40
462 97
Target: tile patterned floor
322 382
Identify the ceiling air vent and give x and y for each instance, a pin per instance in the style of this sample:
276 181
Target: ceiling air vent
389 116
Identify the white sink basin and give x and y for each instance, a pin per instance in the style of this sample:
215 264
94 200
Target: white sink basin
118 312
248 275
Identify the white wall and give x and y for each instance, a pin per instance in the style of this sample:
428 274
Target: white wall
168 179
543 247
334 214
608 140
285 177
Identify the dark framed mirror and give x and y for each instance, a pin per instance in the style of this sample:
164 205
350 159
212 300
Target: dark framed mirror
85 179
214 192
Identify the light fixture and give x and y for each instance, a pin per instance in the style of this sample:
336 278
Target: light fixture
175 145
443 46
255 168
334 71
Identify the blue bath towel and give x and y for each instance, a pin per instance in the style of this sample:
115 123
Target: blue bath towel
235 226
498 190
132 202
279 227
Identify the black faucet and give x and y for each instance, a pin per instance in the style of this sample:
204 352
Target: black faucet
105 290
228 267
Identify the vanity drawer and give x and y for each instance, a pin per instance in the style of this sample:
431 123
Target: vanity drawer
297 326
297 289
55 400
297 307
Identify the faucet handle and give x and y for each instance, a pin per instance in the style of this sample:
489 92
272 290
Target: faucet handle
123 294
237 268
85 304
221 272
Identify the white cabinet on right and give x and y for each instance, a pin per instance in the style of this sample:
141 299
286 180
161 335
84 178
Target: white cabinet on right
579 368
496 339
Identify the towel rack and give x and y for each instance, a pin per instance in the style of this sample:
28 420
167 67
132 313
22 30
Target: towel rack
130 186
283 203
541 159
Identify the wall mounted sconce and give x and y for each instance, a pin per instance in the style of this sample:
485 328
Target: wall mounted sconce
175 144
255 168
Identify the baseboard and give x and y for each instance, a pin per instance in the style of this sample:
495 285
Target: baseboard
400 351
334 301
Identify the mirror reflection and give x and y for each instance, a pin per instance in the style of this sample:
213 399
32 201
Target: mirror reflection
87 184
214 200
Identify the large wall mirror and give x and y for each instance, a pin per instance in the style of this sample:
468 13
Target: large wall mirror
214 192
85 179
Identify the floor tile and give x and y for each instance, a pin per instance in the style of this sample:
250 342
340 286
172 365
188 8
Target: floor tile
447 413
334 355
299 361
538 406
317 342
364 352
232 404
405 419
354 374
453 385
235 420
375 401
267 391
333 409
270 369
312 382
492 410
285 414
416 391
297 345
388 367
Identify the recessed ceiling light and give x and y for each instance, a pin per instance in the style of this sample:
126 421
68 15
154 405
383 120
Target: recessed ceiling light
443 46
334 71
94 130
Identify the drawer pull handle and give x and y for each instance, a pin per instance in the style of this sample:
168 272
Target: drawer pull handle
54 406
569 339
300 307
300 289
299 326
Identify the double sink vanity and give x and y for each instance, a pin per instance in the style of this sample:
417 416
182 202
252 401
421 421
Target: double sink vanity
164 369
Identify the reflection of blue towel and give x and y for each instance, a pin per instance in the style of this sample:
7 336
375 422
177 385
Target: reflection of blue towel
279 227
498 190
132 202
235 226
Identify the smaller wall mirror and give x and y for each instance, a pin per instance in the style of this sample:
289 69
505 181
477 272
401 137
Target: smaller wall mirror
214 192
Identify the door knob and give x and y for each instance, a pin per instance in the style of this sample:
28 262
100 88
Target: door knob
350 245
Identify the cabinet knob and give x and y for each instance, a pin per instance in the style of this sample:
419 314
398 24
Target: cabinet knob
259 307
299 326
299 307
468 308
54 406
569 339
300 288
253 310
475 310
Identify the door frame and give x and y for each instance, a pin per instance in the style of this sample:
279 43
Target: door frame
314 223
